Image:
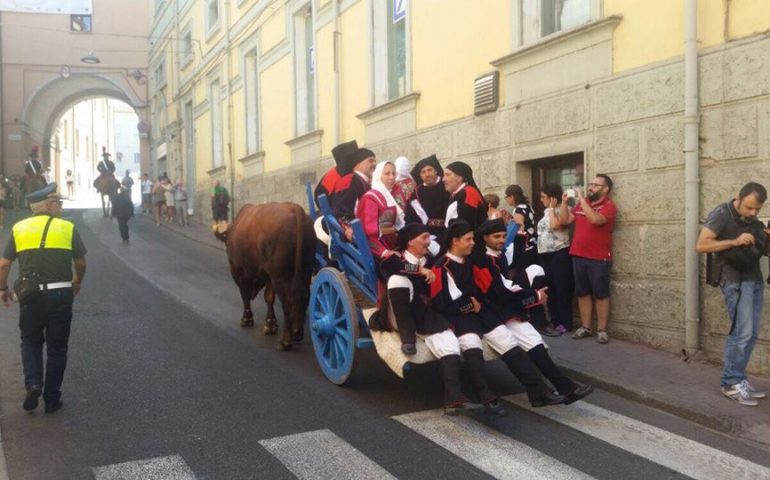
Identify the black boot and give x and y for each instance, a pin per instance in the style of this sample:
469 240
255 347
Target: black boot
402 309
474 359
544 363
538 393
455 402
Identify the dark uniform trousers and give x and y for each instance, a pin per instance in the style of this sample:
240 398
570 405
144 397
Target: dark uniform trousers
46 319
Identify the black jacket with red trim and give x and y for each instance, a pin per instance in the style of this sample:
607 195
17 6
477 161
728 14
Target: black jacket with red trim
348 190
471 206
451 274
499 293
327 185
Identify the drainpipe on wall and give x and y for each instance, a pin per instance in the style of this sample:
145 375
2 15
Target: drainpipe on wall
336 46
691 180
229 110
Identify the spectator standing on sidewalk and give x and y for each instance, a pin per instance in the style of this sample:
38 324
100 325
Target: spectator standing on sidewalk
180 202
591 250
69 179
3 201
738 239
158 200
146 186
220 200
553 252
168 188
123 210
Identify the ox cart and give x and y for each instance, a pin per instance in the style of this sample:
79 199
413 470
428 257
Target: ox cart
343 296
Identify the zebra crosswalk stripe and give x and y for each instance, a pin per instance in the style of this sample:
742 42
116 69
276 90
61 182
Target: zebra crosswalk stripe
161 468
488 450
323 455
673 451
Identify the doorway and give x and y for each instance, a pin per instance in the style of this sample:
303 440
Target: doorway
567 170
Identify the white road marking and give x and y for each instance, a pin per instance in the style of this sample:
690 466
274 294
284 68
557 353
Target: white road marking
668 449
161 468
323 455
488 450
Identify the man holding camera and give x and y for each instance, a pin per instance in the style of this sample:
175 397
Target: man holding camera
738 239
46 247
594 217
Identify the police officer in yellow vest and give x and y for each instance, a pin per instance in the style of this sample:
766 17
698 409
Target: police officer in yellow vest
46 247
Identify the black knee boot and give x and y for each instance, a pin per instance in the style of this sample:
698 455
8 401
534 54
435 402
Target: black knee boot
571 391
401 304
544 363
538 393
474 359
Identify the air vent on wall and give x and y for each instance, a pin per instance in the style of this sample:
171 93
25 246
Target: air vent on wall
485 93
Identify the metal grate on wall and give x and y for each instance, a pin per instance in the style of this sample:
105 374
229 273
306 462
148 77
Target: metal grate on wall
485 93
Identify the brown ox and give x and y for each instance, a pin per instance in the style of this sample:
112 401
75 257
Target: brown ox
272 245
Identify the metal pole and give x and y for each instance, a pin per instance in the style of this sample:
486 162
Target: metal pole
691 178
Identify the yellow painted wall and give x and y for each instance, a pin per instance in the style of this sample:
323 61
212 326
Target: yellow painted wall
239 127
653 30
453 44
277 117
355 65
203 145
273 30
325 86
748 17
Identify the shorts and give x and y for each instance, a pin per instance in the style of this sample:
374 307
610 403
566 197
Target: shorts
592 277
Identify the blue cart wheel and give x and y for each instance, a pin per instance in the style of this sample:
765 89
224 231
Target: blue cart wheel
333 324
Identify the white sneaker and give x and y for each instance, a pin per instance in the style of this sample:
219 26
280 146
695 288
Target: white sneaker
740 394
753 392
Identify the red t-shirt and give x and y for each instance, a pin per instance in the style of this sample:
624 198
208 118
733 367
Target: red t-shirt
594 241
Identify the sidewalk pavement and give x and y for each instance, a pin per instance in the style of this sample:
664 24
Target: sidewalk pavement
659 379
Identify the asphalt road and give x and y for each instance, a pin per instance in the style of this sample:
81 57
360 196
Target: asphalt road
160 368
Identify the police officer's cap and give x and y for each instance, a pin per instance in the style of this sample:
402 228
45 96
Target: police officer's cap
49 191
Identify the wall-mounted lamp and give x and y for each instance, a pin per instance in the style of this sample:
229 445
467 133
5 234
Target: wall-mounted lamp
90 59
138 76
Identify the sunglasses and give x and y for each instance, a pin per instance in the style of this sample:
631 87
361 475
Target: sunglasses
596 185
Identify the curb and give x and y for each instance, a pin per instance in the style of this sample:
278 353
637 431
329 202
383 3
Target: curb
720 424
179 231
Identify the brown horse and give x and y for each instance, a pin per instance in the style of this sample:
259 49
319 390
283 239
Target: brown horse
107 186
32 183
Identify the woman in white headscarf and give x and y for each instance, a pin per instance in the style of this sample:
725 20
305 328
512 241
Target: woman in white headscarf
379 213
404 182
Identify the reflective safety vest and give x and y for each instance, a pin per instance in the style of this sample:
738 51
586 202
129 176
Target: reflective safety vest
28 233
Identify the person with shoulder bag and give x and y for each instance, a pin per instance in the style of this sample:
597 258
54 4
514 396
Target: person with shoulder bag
46 247
735 240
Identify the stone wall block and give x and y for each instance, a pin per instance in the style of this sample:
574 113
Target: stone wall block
656 92
555 116
481 133
616 150
722 182
741 131
747 71
532 122
711 139
730 134
664 142
663 251
650 196
493 173
711 73
571 113
655 302
627 241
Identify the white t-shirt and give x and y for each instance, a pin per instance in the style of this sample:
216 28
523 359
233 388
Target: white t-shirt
549 240
147 186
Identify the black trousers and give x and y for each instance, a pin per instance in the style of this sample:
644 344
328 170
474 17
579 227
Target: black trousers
123 227
46 319
561 286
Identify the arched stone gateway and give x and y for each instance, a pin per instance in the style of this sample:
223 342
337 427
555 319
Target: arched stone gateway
56 95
